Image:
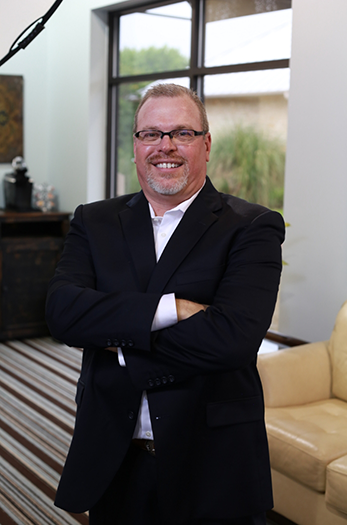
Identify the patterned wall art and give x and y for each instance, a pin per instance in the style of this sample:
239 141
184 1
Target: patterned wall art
11 117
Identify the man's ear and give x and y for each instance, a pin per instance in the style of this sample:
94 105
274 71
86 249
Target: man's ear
208 144
134 151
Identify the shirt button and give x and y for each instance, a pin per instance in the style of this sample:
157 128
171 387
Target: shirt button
148 434
163 234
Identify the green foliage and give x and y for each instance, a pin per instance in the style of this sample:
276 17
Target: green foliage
136 62
150 60
250 165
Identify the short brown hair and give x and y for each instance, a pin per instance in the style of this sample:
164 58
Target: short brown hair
173 90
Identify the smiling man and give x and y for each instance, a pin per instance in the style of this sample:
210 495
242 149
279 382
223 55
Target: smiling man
171 168
170 292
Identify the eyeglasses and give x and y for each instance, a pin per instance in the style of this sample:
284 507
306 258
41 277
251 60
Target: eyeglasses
180 136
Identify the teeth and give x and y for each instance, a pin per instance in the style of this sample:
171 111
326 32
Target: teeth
167 165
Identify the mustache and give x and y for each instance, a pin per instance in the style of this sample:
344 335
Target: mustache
165 158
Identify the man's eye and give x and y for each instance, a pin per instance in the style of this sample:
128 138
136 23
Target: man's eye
150 135
184 133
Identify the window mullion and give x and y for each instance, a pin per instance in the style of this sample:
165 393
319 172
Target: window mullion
112 126
197 46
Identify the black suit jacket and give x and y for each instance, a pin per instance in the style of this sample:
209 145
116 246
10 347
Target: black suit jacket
203 387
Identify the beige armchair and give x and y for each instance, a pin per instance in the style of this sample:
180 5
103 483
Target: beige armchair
305 391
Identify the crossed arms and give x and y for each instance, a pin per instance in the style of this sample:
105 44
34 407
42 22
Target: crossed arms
225 335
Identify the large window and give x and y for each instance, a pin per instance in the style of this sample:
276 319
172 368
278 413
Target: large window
235 54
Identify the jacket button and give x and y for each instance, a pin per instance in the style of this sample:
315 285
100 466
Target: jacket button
171 379
130 343
150 382
108 342
158 381
123 343
131 414
115 342
164 380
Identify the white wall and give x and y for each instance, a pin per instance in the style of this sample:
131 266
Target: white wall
65 72
314 283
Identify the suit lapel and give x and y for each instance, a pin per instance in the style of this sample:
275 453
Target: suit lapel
138 232
196 221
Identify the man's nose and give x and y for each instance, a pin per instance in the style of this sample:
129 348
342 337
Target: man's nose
166 144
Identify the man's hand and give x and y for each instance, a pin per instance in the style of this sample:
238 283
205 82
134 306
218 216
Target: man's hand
112 349
186 309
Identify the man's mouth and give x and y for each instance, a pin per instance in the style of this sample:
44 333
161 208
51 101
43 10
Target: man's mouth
167 165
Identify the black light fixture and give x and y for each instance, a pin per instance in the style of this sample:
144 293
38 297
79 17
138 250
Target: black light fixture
38 24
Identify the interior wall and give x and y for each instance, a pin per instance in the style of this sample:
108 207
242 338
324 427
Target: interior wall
314 284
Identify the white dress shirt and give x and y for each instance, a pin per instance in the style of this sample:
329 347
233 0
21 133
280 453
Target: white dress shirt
166 313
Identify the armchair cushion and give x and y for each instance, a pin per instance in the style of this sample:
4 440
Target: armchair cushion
303 440
336 489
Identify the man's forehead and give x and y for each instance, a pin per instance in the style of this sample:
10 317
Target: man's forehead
178 109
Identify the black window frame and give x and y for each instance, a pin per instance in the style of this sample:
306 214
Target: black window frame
195 72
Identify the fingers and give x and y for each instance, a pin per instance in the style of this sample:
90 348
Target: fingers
186 309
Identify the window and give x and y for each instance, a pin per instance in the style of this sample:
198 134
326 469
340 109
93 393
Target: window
235 54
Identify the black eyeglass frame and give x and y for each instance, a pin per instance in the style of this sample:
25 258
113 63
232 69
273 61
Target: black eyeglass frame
169 133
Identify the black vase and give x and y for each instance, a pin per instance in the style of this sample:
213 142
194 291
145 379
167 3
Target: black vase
18 188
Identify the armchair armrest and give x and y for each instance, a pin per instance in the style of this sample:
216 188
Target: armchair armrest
296 376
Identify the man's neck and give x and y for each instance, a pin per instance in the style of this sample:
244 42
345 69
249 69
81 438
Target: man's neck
164 203
160 208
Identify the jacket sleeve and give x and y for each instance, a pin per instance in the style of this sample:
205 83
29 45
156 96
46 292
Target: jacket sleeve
228 334
79 314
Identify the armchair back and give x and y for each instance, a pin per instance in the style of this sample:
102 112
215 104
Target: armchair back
338 352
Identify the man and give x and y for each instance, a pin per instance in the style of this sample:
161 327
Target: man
170 292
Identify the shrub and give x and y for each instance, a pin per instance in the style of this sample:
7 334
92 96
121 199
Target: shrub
250 165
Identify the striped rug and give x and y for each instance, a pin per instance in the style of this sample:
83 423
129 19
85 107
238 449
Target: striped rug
38 379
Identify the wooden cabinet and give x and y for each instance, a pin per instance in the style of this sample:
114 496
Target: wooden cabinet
30 247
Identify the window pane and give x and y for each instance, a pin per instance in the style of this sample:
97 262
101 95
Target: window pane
239 32
248 121
129 98
155 40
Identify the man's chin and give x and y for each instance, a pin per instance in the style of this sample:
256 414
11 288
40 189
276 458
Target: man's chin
167 186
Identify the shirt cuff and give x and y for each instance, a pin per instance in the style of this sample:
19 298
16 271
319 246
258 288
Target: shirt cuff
166 313
121 359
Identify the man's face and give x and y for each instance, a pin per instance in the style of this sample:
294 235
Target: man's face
169 169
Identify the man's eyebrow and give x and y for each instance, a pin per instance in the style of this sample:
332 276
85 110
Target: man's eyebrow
156 128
